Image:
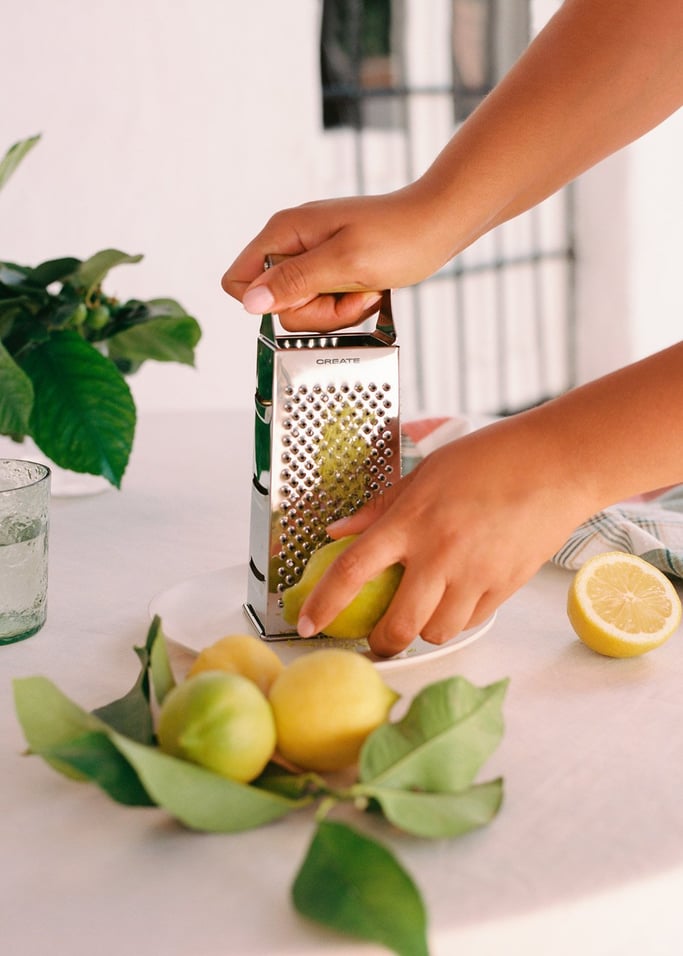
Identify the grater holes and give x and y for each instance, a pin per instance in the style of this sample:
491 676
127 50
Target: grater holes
334 458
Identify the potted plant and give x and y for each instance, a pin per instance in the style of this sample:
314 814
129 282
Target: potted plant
66 348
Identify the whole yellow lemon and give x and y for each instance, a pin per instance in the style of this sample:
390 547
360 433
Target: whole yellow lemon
240 654
325 704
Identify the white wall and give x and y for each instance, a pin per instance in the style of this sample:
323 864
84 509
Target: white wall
628 221
172 128
176 127
630 294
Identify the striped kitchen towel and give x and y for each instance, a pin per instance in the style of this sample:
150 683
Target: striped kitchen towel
650 526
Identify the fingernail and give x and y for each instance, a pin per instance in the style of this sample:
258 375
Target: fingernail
305 627
258 300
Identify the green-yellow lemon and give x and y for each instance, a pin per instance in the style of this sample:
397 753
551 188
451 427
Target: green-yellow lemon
221 721
360 616
326 703
240 654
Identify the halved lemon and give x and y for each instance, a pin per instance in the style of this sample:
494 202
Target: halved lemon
621 606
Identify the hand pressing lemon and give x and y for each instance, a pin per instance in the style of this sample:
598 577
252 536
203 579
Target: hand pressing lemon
621 606
360 616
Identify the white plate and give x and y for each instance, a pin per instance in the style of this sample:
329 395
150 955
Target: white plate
196 612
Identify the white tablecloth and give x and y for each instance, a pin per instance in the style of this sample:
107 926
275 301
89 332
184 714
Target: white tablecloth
586 854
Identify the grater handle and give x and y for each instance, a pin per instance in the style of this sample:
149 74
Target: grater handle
384 329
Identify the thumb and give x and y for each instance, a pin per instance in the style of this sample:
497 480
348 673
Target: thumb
295 280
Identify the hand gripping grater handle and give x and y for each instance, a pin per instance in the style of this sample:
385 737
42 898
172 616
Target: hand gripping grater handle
326 439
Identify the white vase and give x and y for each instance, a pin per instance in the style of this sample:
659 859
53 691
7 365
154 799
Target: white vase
64 483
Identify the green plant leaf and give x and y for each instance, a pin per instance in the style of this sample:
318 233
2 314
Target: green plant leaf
16 396
14 156
355 885
79 745
450 729
49 719
72 741
54 270
131 715
293 785
199 798
95 758
164 339
159 665
13 275
83 415
438 815
90 273
165 309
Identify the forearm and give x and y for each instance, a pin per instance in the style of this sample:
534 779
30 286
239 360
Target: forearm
619 435
600 74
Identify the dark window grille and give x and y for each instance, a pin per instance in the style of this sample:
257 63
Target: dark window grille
360 64
492 332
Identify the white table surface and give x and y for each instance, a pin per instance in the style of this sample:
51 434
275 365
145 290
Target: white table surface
586 854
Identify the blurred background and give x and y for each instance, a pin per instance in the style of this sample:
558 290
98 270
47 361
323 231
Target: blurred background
175 128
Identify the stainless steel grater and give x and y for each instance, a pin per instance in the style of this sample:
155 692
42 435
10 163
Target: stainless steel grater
326 439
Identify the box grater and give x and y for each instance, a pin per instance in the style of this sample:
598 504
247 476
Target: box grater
326 439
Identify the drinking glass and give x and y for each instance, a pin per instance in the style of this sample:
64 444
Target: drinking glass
24 510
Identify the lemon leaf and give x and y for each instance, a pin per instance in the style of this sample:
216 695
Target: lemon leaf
438 815
200 798
131 714
73 741
95 758
450 729
78 744
47 717
357 886
159 665
291 785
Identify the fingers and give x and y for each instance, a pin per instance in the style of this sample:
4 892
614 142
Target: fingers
248 267
306 291
337 262
328 313
344 578
316 290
